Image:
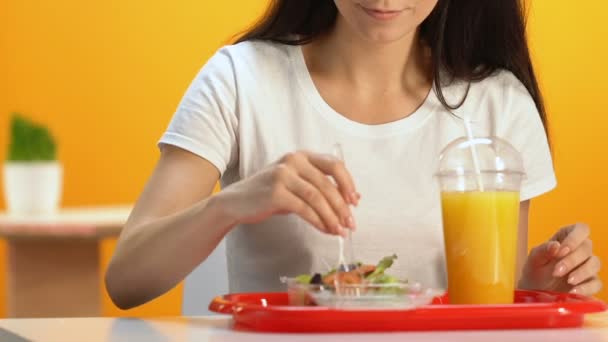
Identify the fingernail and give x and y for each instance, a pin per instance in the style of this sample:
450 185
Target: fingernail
554 248
339 229
564 252
575 291
350 222
571 280
353 198
343 222
560 271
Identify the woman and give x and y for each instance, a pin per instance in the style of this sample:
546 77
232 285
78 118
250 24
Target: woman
388 80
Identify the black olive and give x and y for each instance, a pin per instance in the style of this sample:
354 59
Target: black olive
316 279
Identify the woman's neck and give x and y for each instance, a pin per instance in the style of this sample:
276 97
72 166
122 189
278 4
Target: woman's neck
371 67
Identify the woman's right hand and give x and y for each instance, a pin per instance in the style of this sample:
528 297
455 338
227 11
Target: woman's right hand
298 183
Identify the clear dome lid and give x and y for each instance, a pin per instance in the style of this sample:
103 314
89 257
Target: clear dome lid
480 163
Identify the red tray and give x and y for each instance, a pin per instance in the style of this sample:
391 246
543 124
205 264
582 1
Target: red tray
269 312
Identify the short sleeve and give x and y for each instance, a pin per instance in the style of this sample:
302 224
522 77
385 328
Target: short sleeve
205 122
521 125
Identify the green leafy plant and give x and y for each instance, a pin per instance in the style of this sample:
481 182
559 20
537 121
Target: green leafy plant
30 142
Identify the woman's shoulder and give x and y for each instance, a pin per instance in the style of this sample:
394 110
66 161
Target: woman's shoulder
256 55
254 48
493 102
502 84
496 91
250 64
499 81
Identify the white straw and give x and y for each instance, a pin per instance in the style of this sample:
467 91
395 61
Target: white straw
467 126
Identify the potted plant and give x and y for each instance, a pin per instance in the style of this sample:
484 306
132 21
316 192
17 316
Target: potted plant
32 175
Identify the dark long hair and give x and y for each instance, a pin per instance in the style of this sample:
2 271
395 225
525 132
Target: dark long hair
469 40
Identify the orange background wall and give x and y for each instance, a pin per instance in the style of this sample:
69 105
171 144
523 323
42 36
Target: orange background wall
570 53
107 75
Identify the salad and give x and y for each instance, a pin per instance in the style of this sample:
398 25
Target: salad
358 274
358 286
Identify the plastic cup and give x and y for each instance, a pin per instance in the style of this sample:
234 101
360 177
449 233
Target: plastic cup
480 180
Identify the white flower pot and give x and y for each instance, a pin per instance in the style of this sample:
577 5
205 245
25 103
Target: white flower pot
32 188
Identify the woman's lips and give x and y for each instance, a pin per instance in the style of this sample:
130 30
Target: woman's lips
379 14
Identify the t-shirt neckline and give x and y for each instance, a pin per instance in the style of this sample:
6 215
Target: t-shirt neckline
401 126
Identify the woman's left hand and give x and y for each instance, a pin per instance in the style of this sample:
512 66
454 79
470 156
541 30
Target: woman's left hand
565 263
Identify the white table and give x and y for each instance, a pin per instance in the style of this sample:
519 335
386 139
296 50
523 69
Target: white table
218 329
53 261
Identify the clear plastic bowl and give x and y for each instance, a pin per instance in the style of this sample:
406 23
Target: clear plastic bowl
401 296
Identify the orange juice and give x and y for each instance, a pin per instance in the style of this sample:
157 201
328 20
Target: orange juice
480 232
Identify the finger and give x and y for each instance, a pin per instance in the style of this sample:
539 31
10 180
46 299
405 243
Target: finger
544 254
315 199
586 271
353 197
572 238
561 234
294 204
335 168
330 191
573 260
305 169
588 288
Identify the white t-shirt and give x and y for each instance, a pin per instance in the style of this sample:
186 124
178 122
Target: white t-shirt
255 101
